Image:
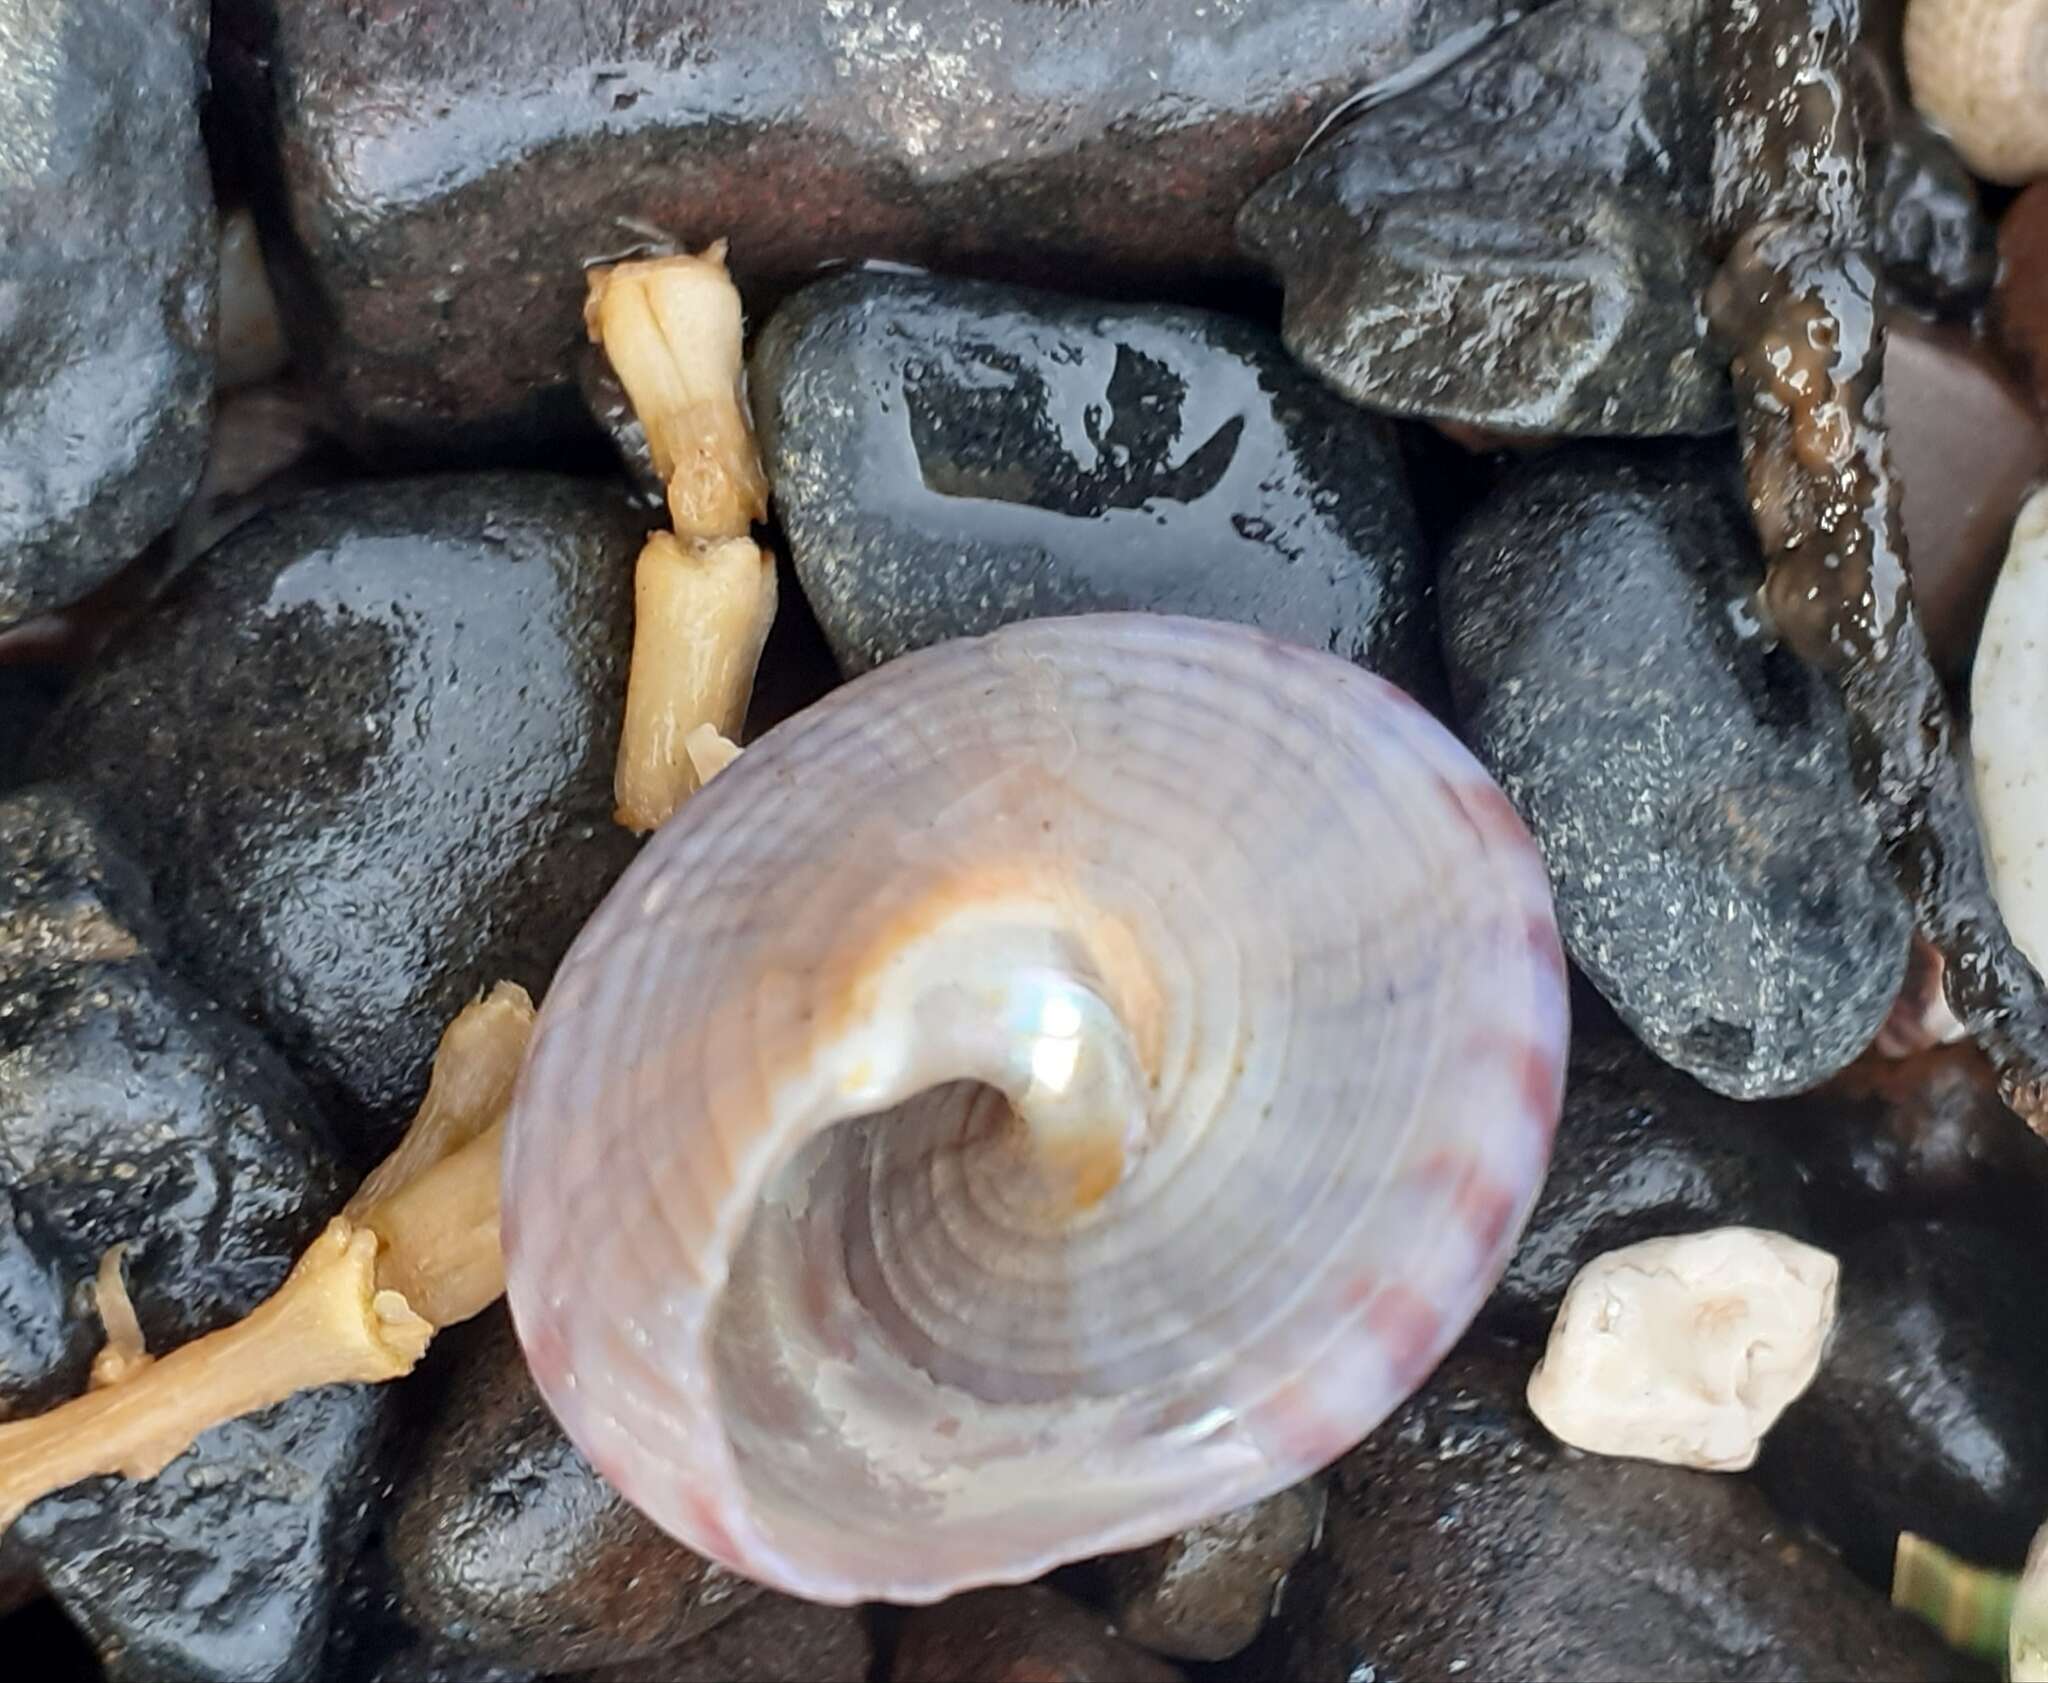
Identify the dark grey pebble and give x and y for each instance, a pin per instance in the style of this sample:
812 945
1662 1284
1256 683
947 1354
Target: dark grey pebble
1926 1413
1463 1541
507 1543
108 258
1514 242
1643 1152
1716 874
773 1639
364 751
951 456
134 1111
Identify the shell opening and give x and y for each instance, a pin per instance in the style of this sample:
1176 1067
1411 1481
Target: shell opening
1062 1086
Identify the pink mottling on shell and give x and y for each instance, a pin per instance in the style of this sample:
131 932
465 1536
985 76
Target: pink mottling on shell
837 1347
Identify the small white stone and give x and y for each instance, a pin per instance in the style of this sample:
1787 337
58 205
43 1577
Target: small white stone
1686 1350
2008 690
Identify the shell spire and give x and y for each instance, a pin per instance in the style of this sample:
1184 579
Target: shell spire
1063 1085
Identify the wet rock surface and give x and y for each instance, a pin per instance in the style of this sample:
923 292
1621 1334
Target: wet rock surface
1925 1135
1643 1152
1926 1414
952 456
134 1111
450 172
1716 877
1207 1592
1937 249
1018 1636
2020 304
1968 446
1513 243
508 1544
1463 1540
365 753
773 1639
107 262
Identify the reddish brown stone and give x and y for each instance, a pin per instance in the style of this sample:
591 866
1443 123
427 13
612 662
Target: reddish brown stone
1207 1592
1029 1635
1967 444
2020 300
450 167
773 1639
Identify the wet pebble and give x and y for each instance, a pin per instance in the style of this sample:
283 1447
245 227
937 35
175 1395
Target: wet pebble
1206 1593
1683 779
1935 244
1926 1414
1463 1541
1925 1135
773 1639
1028 1635
107 266
1642 1152
365 752
508 1544
951 456
1967 445
1513 244
2020 302
449 180
134 1111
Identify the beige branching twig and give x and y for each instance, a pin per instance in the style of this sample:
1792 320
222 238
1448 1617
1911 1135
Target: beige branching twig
415 1250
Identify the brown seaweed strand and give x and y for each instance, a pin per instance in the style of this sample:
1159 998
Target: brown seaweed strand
1798 299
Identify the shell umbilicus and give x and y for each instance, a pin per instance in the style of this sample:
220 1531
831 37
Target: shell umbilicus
1192 1017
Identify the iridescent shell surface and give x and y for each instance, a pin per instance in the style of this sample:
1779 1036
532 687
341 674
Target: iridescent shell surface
1262 954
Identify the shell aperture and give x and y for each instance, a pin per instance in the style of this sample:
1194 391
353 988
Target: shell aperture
1063 1085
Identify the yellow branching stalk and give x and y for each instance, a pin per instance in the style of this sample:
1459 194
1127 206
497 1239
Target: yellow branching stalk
704 595
415 1250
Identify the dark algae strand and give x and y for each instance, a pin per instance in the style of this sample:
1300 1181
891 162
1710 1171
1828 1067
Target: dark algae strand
1798 300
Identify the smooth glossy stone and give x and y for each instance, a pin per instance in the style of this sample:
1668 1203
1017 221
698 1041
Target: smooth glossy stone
1018 1635
773 1639
508 1544
107 281
1926 1415
1967 444
134 1111
364 751
952 456
1463 1540
2019 304
449 174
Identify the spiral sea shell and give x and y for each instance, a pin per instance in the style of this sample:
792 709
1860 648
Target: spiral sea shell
1192 1013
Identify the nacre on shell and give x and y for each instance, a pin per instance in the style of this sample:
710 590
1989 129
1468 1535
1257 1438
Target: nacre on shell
1063 1085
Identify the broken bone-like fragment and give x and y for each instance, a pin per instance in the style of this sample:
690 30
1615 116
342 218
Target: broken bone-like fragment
710 751
703 596
2008 701
1686 1350
671 327
701 613
417 1249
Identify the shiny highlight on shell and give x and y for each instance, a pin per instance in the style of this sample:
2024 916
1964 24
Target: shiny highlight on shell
1064 1085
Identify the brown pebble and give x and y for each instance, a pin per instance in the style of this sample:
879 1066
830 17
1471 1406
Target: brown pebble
773 1639
1206 1593
1028 1635
508 1544
1967 444
2019 301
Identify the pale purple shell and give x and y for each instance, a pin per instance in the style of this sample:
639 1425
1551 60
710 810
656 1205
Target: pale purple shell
872 1360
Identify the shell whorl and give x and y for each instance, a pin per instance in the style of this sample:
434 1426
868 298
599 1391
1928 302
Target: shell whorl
1979 72
1235 919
